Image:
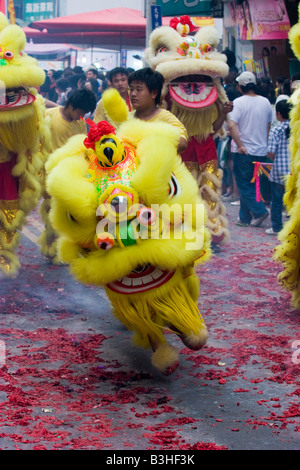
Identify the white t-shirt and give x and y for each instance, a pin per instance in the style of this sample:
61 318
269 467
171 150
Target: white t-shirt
252 114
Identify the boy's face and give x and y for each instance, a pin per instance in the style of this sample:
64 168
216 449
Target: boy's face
77 113
140 96
90 74
88 86
120 83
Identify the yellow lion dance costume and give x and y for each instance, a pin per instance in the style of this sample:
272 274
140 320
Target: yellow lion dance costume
192 69
288 252
23 136
130 219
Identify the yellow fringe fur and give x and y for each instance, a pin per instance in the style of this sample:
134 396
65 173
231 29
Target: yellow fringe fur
169 306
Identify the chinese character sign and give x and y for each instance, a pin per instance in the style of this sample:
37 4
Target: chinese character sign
34 10
156 16
185 7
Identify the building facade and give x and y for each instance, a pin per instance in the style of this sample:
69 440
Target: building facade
257 32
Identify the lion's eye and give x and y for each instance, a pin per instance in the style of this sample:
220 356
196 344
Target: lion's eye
174 187
161 49
8 55
207 48
70 217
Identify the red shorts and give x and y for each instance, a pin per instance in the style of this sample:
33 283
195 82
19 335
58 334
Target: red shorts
200 152
8 183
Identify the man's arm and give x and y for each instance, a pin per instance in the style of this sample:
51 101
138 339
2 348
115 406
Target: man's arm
235 134
272 145
183 140
99 113
182 145
50 104
271 155
222 113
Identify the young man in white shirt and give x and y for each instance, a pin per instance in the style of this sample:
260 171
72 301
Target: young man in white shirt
249 127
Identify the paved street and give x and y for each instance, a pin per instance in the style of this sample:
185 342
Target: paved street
72 379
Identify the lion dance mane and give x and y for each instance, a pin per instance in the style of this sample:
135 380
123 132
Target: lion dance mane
288 252
23 136
129 218
193 92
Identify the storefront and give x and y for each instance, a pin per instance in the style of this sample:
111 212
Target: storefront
257 31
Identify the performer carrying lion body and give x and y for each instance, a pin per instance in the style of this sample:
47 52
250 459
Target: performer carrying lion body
136 225
192 69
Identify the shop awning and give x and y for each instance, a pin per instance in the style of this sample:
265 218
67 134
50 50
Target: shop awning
113 20
115 27
43 49
112 28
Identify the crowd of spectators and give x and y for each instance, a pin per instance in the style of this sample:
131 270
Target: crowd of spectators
278 146
59 86
60 83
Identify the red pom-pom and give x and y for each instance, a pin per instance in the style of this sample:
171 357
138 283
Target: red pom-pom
174 22
185 19
96 132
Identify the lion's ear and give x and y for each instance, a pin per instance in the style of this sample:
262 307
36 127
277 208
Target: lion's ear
208 35
13 37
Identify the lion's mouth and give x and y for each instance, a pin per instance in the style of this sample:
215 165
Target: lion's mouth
193 91
15 98
142 278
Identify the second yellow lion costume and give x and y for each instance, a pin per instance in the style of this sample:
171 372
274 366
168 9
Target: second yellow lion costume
130 218
192 68
23 140
288 252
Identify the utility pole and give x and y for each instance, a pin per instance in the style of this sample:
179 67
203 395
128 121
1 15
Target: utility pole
148 4
57 8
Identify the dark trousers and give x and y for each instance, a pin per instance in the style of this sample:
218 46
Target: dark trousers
243 169
277 192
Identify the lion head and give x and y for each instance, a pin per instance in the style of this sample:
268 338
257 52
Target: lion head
18 71
126 207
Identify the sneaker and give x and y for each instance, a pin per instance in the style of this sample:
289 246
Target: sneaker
241 224
215 248
230 198
270 231
257 222
235 203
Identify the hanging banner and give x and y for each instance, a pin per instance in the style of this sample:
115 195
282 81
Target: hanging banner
156 20
11 11
2 6
254 19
